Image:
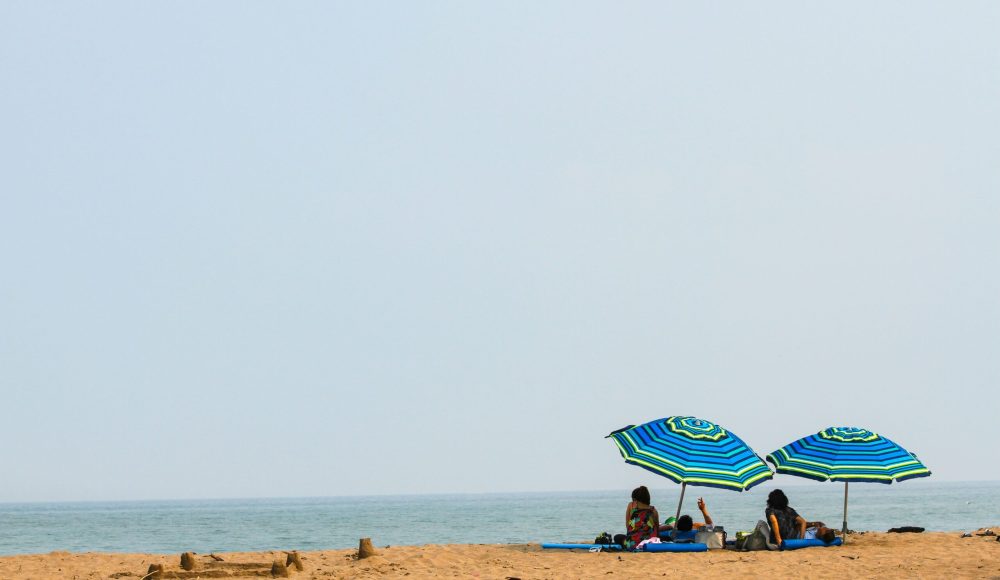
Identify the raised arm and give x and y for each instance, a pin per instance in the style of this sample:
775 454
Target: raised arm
704 512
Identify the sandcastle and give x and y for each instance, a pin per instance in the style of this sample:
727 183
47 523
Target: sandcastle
212 566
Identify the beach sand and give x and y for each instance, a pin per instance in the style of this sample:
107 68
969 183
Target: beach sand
867 555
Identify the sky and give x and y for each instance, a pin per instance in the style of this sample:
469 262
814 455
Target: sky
256 249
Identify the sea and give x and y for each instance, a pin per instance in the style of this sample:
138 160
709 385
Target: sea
223 525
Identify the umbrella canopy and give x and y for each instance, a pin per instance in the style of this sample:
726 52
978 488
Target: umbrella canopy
847 454
689 450
692 451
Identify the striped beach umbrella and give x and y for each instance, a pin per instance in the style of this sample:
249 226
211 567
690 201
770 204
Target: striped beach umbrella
847 454
692 451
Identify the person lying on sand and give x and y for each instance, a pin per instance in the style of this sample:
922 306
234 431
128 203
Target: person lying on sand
685 523
819 531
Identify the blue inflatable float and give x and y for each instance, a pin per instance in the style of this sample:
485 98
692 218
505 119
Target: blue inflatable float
796 544
557 546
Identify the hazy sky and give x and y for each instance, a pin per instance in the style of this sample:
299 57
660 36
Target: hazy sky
287 249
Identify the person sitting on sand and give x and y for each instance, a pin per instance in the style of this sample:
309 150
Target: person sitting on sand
641 520
785 522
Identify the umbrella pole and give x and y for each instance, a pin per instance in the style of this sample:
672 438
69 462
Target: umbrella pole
673 532
843 531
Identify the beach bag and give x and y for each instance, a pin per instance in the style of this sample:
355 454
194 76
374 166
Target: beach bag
759 538
711 538
605 539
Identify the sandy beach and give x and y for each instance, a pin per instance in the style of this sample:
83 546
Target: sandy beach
867 555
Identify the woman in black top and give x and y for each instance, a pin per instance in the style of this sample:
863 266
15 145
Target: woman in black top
786 523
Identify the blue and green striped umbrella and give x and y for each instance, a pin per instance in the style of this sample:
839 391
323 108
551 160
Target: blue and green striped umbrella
692 451
847 454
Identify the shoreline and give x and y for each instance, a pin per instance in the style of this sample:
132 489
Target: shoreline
865 554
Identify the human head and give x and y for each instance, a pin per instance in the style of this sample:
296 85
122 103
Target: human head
826 534
777 500
684 523
641 495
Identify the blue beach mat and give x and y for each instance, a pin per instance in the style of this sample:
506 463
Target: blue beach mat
796 544
557 546
661 547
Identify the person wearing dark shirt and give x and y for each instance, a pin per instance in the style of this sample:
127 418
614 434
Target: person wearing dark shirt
785 522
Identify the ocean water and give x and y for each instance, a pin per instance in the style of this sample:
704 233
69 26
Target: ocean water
338 522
